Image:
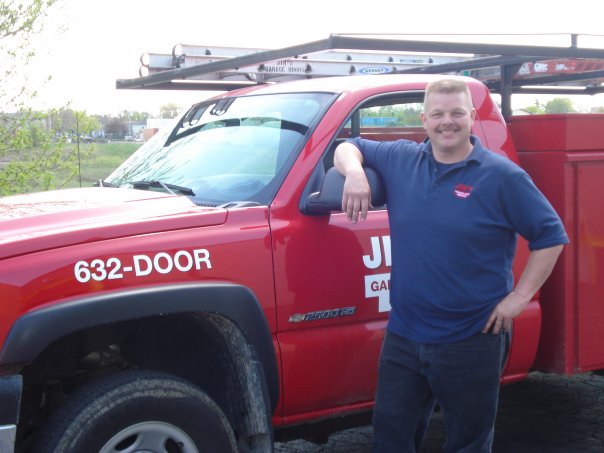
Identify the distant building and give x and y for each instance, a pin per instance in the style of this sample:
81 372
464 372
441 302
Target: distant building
154 125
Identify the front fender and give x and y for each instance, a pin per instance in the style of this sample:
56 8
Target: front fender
34 331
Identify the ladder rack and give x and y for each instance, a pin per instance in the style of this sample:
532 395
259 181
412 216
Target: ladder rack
505 68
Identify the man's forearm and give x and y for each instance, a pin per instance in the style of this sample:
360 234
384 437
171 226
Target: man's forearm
538 268
347 158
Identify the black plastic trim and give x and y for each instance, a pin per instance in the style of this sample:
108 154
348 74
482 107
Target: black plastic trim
10 399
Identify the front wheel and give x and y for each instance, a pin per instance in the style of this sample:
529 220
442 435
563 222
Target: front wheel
138 411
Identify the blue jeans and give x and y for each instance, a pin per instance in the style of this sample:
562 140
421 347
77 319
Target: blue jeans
462 377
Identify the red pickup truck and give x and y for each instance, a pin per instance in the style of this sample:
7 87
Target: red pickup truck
209 295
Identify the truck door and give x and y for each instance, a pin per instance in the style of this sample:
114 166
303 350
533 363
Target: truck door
332 289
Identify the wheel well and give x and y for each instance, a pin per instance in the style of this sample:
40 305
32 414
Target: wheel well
206 349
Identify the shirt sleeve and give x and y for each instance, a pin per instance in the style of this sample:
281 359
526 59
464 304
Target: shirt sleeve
530 213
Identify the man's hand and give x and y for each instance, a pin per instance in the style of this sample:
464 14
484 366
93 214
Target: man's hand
504 313
356 198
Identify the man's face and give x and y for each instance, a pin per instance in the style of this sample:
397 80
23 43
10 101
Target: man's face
448 120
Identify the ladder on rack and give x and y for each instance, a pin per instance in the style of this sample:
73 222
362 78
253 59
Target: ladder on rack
317 64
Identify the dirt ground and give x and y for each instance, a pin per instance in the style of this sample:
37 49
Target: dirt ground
543 414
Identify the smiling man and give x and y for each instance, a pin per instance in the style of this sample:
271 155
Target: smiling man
455 210
448 118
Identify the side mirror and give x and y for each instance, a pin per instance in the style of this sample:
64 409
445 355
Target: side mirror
329 198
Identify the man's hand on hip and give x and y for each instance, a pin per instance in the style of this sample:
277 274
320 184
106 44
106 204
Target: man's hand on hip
505 312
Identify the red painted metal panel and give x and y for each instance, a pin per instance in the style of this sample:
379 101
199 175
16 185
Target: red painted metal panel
590 264
554 177
571 175
561 132
525 340
29 282
319 266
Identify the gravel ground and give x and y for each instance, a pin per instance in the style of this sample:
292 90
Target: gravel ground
543 414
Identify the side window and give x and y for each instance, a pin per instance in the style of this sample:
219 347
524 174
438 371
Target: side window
387 120
383 119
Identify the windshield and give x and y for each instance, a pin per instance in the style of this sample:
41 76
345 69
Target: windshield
233 149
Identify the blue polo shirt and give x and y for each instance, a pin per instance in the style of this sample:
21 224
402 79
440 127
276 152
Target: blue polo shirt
453 235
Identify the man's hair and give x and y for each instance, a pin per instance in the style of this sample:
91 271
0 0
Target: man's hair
448 86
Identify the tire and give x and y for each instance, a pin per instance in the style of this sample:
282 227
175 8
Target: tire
137 411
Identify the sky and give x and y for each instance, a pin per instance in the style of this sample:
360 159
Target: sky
87 45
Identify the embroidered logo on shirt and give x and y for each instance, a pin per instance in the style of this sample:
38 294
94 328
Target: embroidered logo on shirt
462 190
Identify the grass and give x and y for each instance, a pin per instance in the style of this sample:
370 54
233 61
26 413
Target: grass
100 159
